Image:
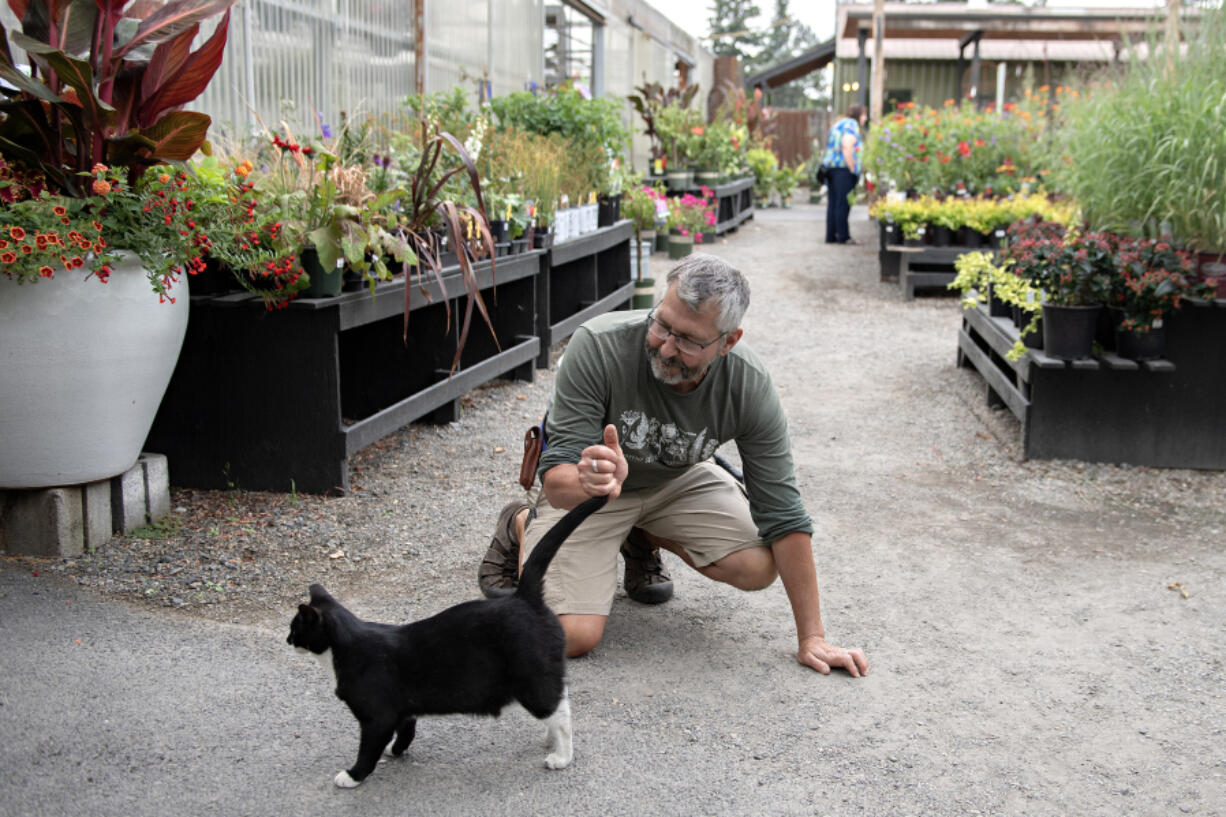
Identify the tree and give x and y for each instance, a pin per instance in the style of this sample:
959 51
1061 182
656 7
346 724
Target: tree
783 39
732 34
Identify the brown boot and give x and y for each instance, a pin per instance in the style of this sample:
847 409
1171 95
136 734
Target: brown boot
499 572
646 580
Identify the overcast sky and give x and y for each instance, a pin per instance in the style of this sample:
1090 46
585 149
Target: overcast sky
692 15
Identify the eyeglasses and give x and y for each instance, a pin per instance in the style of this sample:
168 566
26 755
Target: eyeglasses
685 345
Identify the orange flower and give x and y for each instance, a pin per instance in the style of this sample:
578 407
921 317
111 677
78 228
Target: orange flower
101 187
99 168
696 131
17 233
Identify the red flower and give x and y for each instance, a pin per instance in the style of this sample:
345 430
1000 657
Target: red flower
17 233
964 148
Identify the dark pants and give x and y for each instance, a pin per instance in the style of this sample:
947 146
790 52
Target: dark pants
839 183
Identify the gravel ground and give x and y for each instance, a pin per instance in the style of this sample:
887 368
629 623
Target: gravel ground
1045 636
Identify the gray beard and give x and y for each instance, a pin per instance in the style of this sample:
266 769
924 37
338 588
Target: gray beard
672 371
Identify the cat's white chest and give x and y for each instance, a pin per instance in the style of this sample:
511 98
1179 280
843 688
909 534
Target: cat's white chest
325 661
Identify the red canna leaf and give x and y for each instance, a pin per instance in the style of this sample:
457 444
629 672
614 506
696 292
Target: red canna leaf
178 134
167 59
184 83
171 20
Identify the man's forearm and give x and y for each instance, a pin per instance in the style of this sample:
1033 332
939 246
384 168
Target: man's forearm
794 560
561 486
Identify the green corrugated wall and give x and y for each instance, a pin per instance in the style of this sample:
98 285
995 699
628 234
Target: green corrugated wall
931 82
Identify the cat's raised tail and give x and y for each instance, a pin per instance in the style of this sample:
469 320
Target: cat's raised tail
531 577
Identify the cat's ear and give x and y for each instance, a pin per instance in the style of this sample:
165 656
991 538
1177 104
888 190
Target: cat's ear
309 614
318 594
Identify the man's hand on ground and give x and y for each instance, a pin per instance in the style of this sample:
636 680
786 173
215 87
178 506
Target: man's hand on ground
815 652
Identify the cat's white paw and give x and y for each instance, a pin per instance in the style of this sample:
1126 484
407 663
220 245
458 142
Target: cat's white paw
344 781
553 760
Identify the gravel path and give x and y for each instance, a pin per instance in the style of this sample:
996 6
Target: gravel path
1046 637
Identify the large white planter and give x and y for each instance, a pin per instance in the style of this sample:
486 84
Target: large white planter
83 367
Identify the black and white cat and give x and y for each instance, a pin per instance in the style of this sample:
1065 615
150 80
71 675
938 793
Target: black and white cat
474 658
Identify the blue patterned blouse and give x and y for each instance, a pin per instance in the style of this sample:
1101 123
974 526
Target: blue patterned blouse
834 144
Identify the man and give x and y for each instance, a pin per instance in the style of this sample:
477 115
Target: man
661 391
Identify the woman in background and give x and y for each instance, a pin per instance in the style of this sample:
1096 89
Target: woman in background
842 160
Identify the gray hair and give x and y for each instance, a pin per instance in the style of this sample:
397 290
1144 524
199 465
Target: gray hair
701 278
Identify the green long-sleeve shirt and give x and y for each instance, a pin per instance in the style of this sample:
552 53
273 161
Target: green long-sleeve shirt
605 377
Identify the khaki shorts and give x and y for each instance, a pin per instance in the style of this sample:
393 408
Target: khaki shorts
704 510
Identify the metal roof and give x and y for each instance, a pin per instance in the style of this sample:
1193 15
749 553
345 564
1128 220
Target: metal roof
955 21
806 63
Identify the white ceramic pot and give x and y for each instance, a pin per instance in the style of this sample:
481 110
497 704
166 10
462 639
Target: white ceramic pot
83 367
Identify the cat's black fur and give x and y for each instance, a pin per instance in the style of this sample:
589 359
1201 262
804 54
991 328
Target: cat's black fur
474 658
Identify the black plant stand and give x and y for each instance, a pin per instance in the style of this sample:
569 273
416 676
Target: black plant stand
734 203
279 400
581 278
1169 412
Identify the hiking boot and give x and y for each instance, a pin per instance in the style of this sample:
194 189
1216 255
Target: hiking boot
646 580
499 572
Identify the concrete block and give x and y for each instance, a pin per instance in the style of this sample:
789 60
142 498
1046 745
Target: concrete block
44 522
129 509
157 484
96 502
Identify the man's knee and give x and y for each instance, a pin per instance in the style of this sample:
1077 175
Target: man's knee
749 569
583 633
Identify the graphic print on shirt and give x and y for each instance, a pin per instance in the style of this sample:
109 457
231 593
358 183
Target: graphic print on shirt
646 439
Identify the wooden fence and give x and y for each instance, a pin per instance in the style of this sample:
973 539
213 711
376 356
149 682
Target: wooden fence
794 132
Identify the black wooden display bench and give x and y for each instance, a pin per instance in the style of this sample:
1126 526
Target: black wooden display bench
926 267
580 279
1168 413
279 400
735 203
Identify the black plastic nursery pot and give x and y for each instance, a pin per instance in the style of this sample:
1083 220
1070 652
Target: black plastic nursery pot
324 283
1068 331
1149 345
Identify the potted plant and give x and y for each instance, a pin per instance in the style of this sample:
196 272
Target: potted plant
98 106
763 164
1074 270
1143 151
639 205
424 206
652 98
680 131
1151 282
786 180
240 238
688 216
